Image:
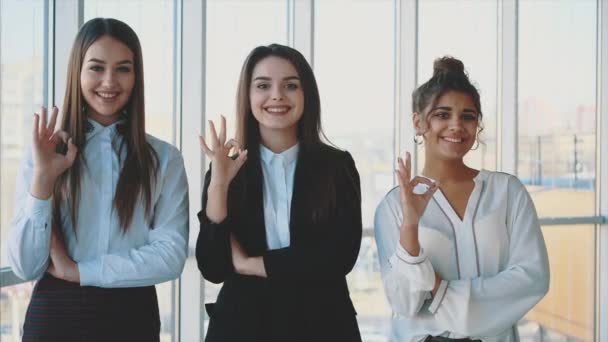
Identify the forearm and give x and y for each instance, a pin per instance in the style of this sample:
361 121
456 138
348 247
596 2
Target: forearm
217 198
42 185
409 239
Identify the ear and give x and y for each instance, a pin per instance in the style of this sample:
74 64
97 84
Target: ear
419 123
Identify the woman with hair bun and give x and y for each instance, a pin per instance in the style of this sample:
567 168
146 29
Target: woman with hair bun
461 251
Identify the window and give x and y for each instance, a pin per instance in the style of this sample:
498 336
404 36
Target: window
354 66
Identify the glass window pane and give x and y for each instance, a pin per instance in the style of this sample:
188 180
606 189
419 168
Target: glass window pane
566 312
467 30
21 94
234 28
556 90
13 305
355 60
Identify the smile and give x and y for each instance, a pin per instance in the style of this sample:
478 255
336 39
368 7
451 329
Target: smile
107 95
277 109
453 140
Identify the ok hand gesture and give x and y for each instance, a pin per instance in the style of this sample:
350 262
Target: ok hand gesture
49 162
223 167
412 204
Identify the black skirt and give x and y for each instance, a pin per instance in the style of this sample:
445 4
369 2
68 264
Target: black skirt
65 311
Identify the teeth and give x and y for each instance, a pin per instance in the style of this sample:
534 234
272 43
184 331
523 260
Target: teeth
107 95
277 109
454 140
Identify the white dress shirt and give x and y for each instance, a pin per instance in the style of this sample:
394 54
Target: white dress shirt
493 263
278 170
148 253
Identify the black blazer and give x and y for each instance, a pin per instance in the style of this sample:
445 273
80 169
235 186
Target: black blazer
305 297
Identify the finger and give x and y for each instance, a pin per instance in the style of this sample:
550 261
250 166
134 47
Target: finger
405 181
242 158
422 180
408 166
42 128
206 149
233 144
60 136
35 127
430 192
72 152
214 139
222 137
53 121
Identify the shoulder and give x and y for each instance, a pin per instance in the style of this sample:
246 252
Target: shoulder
164 151
389 206
503 182
333 156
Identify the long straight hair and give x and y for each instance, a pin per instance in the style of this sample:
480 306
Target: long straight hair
309 129
138 174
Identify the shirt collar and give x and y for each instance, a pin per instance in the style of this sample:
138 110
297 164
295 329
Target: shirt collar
287 157
93 127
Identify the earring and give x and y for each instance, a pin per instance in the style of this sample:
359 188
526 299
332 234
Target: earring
418 139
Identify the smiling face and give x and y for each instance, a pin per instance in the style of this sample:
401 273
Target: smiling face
276 96
449 127
107 79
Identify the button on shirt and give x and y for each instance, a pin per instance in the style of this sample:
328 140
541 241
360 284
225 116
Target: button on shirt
149 252
278 170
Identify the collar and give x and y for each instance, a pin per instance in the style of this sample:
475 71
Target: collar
93 127
287 157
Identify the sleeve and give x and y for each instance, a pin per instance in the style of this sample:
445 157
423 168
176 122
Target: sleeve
469 307
407 280
334 253
29 239
213 253
163 257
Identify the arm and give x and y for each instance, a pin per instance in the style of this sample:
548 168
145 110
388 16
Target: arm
163 257
407 279
29 240
213 253
333 253
468 307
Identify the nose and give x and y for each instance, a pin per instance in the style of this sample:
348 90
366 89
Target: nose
456 124
109 78
277 94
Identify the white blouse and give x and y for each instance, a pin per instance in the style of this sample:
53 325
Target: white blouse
278 170
493 263
147 253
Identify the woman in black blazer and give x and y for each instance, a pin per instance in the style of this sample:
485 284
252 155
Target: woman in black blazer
281 219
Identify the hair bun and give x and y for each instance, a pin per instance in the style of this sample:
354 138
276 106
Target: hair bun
448 65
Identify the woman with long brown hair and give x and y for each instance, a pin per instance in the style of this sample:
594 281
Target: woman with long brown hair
281 221
102 208
461 251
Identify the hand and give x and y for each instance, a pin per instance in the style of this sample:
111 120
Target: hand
62 266
49 164
244 264
412 204
223 168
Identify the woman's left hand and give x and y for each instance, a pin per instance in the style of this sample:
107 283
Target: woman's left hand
243 264
62 266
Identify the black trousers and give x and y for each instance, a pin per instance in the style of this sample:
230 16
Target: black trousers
65 311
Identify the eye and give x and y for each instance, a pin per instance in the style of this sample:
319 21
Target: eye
292 86
96 68
469 117
123 69
442 115
262 86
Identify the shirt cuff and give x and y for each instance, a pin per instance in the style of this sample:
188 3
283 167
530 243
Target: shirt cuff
406 257
90 273
438 299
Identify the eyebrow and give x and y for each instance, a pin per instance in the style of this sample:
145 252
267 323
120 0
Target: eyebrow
466 110
265 78
95 60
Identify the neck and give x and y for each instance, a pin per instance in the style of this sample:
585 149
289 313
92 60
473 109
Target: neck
278 140
104 120
447 171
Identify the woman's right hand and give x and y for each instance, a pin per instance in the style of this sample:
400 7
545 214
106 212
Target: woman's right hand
49 164
413 205
223 167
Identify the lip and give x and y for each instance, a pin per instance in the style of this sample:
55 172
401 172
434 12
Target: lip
454 140
107 96
277 110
